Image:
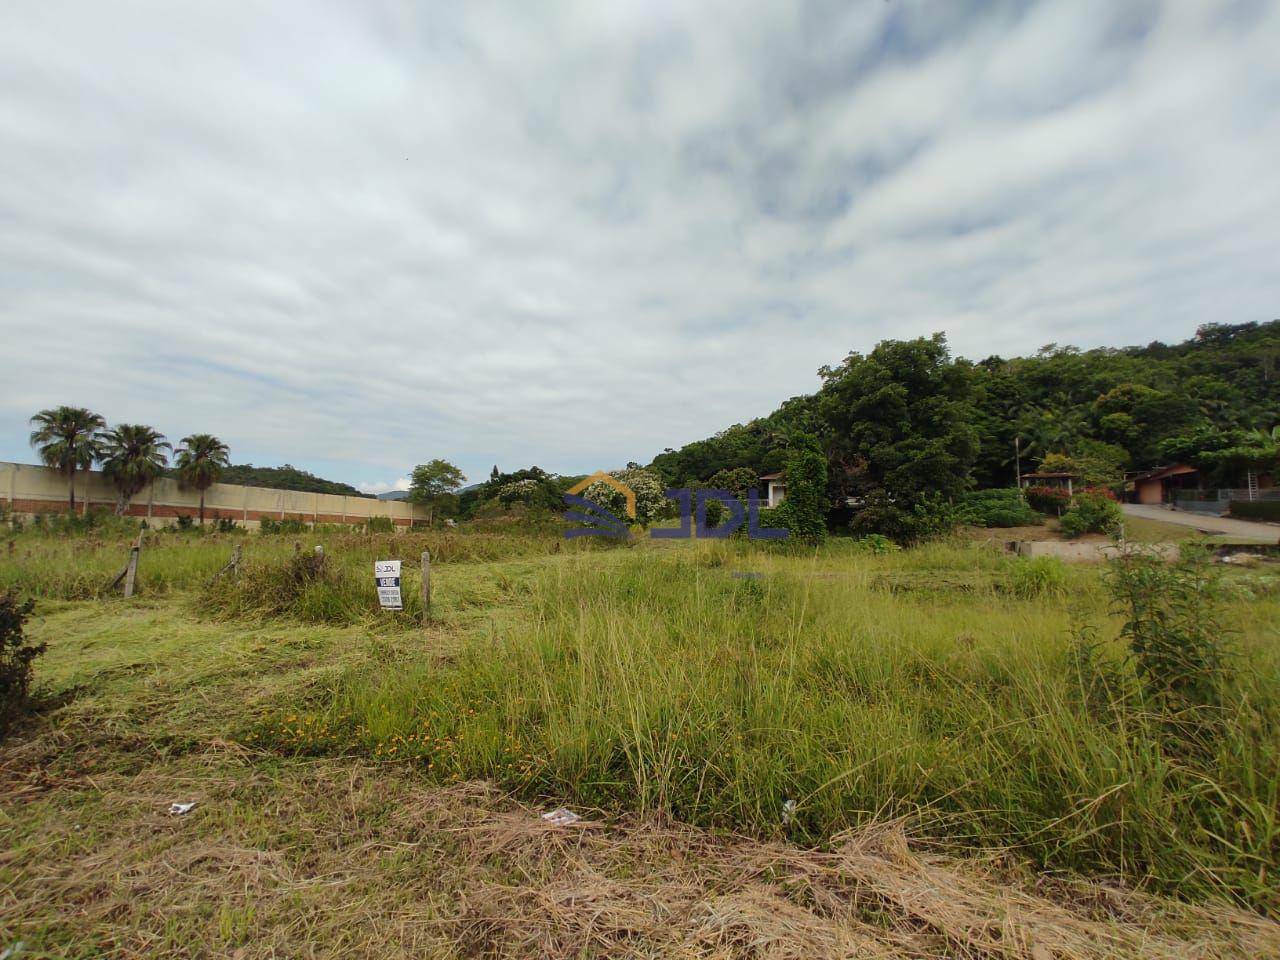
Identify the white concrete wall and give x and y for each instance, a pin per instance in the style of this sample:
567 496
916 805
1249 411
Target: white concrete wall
28 489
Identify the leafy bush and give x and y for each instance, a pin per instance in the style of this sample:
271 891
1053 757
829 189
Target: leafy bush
379 525
226 525
647 486
290 525
877 543
806 503
1256 510
1090 513
1105 492
1050 500
1000 507
16 656
1171 625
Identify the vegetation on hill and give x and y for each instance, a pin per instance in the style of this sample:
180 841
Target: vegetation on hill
286 477
908 426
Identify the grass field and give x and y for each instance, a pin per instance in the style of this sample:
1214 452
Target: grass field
800 753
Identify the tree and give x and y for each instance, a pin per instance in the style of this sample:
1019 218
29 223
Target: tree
805 508
493 474
739 481
645 484
200 462
901 424
67 440
132 457
431 481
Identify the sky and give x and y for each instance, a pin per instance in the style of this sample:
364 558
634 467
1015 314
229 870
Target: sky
358 236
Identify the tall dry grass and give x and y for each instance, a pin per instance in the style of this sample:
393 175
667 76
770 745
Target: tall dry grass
822 695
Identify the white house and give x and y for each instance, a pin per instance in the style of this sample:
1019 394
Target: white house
777 488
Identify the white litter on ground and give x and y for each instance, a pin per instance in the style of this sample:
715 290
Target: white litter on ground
561 817
179 809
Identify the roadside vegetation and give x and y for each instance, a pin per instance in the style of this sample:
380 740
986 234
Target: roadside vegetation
794 693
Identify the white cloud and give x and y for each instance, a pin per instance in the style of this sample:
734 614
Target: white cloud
382 486
356 237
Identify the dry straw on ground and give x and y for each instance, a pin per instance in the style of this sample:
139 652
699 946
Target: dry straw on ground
342 858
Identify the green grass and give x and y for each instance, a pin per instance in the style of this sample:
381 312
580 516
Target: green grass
660 682
69 567
707 683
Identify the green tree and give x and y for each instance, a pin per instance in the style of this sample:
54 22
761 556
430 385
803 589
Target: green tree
67 440
646 485
133 455
805 509
431 481
200 462
901 425
739 481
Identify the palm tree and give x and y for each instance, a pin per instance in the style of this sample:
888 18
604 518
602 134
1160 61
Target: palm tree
200 460
66 439
132 456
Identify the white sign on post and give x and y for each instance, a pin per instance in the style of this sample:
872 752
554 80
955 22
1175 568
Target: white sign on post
386 574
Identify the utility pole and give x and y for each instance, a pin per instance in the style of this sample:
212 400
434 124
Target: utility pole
1017 460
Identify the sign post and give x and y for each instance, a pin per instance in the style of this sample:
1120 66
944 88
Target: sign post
386 575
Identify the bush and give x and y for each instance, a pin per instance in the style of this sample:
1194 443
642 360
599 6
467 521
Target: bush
877 543
1002 507
1172 627
292 525
1256 510
1090 513
806 504
16 656
379 525
1105 492
1050 500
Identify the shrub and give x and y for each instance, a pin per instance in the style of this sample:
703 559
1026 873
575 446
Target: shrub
877 543
1050 500
379 525
806 503
933 516
1256 510
226 525
16 656
647 486
1002 507
1105 492
1171 624
1090 513
291 525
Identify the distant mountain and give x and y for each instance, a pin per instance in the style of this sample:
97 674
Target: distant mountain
404 494
286 477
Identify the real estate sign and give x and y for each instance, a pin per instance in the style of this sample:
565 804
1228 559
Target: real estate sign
386 574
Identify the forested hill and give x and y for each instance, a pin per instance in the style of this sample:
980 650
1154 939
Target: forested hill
287 477
907 417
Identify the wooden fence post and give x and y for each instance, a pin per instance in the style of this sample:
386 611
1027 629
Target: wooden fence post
426 583
131 572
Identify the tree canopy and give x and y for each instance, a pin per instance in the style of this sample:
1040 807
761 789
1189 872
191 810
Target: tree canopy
907 423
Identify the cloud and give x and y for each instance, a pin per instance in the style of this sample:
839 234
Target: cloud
382 486
357 237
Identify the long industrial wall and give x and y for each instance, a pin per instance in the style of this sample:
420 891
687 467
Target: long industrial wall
27 490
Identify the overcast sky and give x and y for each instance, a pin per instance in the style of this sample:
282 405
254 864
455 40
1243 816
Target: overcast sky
356 236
